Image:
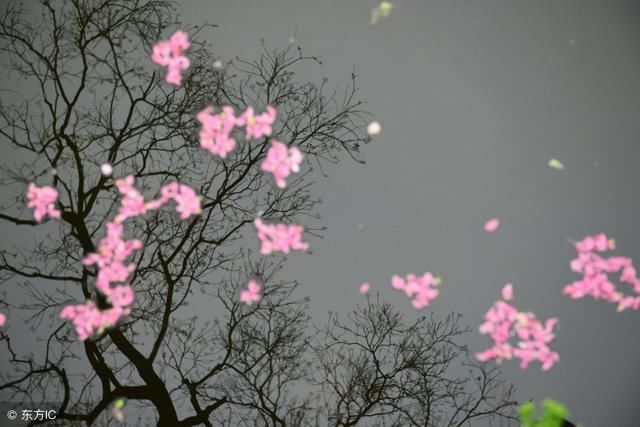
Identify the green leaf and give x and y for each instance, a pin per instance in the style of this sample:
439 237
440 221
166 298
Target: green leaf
527 412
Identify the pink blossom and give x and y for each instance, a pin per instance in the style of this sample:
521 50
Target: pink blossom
629 302
422 289
169 54
364 288
257 126
3 320
132 201
188 202
215 135
503 321
491 225
252 294
43 200
595 270
121 296
88 320
280 237
281 161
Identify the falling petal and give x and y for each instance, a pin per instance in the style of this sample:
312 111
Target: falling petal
118 415
507 292
116 411
374 128
381 11
364 288
106 169
492 225
556 164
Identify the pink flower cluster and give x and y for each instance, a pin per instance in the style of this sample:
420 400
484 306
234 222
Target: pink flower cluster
280 237
595 269
133 203
113 250
257 126
88 319
252 293
3 320
503 321
110 260
421 288
168 53
215 134
43 200
281 161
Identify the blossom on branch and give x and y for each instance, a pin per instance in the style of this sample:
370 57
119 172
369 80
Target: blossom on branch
42 200
257 126
215 135
252 293
88 319
280 237
168 53
281 161
113 250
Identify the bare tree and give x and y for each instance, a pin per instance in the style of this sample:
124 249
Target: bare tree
379 369
90 95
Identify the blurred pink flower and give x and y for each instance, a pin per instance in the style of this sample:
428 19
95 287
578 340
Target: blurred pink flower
169 54
252 294
88 320
503 321
281 161
364 288
257 126
421 288
280 237
188 202
3 320
215 135
42 200
132 203
595 272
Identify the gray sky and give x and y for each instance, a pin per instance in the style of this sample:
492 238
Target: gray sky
474 98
